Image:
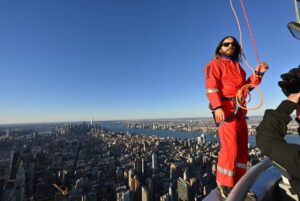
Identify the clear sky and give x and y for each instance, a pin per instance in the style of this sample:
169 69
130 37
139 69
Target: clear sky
129 59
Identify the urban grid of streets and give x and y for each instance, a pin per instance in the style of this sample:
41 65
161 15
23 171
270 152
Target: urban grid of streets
81 161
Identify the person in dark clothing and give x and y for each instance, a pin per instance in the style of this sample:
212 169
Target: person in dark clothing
270 138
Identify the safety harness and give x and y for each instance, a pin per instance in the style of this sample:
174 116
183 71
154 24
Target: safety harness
231 116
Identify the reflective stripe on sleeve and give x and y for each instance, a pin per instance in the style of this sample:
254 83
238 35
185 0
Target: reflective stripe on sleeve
225 171
241 165
211 90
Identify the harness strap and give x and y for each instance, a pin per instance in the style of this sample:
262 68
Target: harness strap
228 98
231 116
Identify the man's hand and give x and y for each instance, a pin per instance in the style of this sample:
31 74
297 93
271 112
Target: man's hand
294 97
219 115
298 113
262 67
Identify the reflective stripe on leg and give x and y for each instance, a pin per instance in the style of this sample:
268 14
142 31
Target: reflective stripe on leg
225 171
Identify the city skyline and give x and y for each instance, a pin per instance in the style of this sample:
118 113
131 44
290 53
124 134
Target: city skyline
72 60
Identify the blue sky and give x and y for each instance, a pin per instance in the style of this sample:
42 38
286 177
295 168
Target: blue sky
129 59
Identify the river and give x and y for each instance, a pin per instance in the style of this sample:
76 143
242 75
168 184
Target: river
122 127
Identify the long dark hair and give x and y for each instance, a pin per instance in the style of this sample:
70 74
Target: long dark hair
237 56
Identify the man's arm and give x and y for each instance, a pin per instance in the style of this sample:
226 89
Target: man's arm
270 137
212 84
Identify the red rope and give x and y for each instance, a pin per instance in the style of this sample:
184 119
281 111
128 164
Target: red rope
250 31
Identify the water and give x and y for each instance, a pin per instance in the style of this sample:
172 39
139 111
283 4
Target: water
122 127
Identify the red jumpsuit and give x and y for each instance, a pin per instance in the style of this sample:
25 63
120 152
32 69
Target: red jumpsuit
224 77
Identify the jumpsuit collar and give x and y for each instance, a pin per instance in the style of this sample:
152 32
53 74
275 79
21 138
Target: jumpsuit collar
226 57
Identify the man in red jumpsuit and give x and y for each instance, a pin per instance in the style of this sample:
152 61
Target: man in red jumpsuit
224 77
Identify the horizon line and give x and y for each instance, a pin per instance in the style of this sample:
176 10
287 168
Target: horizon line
77 121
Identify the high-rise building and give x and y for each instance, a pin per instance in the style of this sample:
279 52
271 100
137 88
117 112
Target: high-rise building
31 174
150 189
65 178
9 191
176 170
137 189
203 138
80 185
186 174
143 167
172 190
119 173
13 166
131 181
145 194
127 196
157 186
154 162
2 182
7 133
92 121
83 198
136 185
123 194
165 197
189 142
184 190
138 167
20 183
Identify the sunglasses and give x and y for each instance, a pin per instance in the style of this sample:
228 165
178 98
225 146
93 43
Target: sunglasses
229 43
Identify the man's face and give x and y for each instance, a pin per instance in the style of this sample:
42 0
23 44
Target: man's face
228 47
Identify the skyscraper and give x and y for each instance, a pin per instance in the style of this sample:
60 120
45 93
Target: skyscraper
172 190
20 183
154 162
13 168
165 197
131 181
7 133
150 189
184 190
203 139
143 167
138 167
145 194
123 194
186 174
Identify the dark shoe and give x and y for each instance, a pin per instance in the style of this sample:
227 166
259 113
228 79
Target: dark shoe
251 196
223 191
